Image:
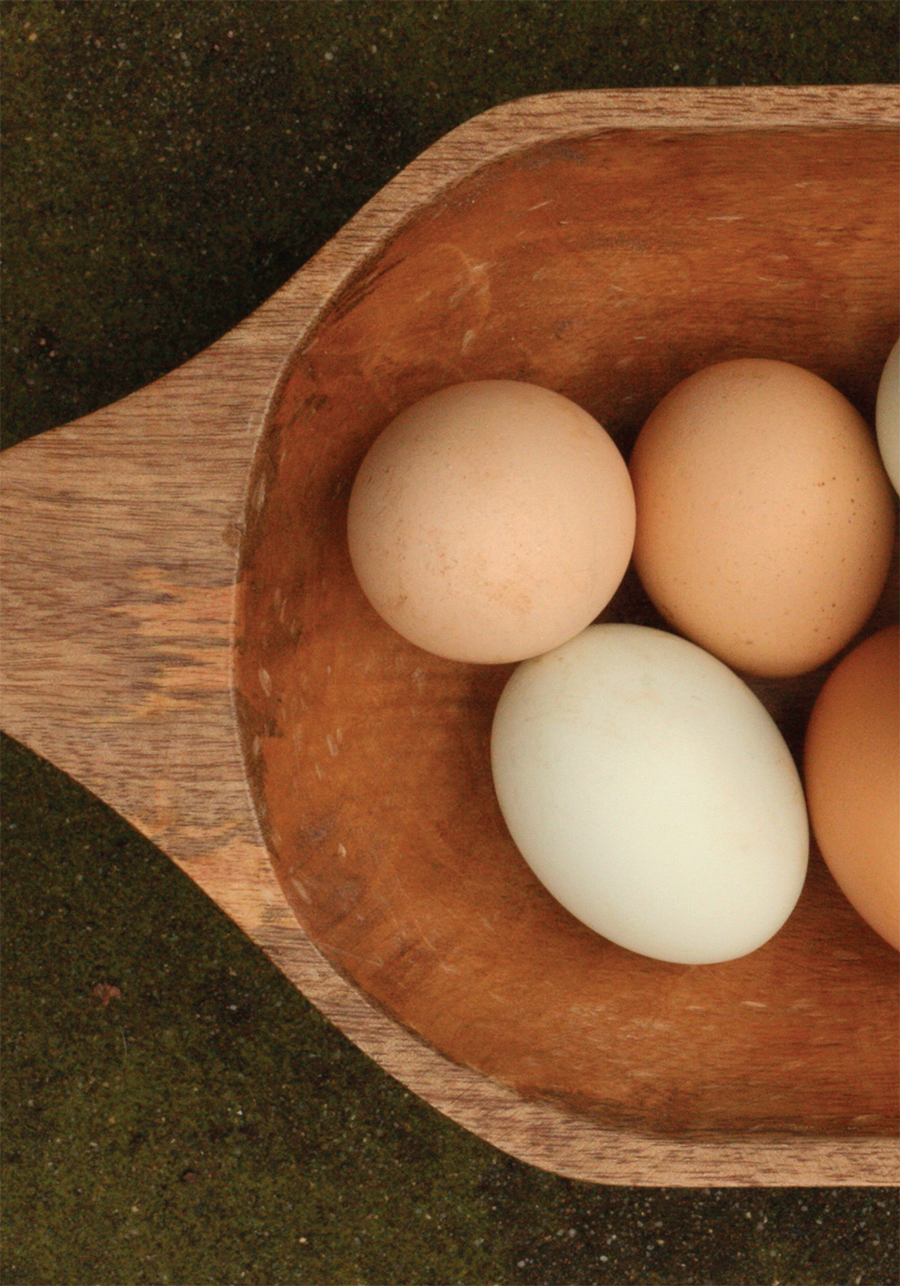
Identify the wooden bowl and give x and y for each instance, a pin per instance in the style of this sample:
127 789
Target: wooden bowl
184 622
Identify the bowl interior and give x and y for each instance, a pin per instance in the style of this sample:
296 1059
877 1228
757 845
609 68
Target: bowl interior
607 268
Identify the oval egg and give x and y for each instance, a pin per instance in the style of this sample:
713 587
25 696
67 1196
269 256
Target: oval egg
491 521
887 415
852 773
652 794
764 518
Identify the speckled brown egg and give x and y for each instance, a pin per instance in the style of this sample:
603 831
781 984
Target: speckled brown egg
764 517
852 776
491 521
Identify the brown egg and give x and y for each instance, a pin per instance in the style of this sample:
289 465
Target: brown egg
852 774
764 517
491 521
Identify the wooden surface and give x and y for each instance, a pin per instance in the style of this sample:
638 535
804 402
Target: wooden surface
120 598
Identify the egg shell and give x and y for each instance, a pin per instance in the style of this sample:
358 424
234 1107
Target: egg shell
764 518
887 415
491 521
652 794
852 774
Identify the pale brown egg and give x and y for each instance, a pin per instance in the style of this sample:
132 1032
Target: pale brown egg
491 521
852 775
764 517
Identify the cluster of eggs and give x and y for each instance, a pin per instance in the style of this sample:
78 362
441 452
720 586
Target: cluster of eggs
640 777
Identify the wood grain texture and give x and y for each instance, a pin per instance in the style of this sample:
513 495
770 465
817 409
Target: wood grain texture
119 605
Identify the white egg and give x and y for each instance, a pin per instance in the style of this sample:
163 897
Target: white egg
887 415
652 794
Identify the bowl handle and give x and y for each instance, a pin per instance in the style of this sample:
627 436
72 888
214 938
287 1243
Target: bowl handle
121 539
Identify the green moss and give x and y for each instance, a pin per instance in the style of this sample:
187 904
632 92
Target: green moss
176 1110
206 1125
168 165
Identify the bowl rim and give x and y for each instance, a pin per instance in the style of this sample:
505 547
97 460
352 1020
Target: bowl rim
539 1133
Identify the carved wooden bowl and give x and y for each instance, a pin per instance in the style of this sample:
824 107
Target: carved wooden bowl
601 244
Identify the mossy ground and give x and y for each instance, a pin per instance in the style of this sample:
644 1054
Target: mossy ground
168 165
174 1110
